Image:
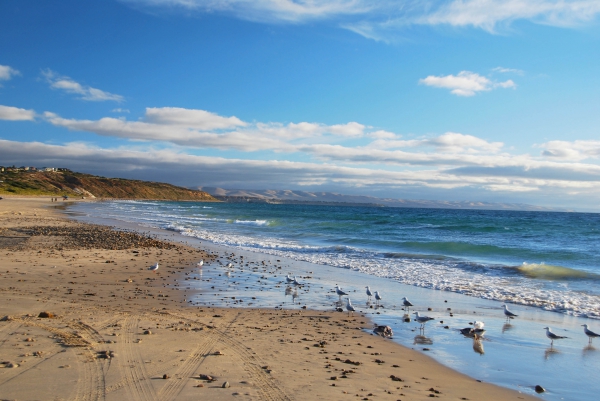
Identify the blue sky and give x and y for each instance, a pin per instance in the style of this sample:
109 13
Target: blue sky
482 100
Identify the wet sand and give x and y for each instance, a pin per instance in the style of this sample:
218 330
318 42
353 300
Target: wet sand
119 331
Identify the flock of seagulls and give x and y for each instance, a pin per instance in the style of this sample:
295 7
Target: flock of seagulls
475 332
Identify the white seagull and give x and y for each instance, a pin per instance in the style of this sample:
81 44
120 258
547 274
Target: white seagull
406 303
369 293
589 333
200 264
507 313
422 319
154 267
478 325
339 291
229 265
377 297
288 279
349 307
295 281
553 336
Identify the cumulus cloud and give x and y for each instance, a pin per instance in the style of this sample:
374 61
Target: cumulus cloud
179 167
466 83
200 128
68 85
571 150
16 114
7 73
191 118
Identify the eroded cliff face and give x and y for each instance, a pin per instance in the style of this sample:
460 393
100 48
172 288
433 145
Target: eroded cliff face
90 186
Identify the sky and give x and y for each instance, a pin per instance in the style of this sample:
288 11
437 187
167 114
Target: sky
462 100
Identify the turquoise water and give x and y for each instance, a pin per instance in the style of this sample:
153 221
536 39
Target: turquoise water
540 259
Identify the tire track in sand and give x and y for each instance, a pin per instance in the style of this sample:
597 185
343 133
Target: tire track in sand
136 378
183 374
267 386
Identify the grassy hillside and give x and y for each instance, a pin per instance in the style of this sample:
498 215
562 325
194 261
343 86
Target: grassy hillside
78 184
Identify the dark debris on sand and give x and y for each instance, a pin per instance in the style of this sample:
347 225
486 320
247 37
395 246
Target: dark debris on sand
84 236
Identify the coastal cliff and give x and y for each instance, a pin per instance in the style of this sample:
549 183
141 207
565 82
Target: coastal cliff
73 184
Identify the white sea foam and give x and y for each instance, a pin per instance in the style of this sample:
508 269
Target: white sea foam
252 222
446 275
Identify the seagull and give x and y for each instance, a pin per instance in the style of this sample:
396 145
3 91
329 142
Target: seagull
369 293
200 264
154 267
288 279
339 291
507 313
552 336
295 281
406 303
475 331
589 333
229 265
377 297
349 307
422 319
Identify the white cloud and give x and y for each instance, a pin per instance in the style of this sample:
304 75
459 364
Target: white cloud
268 10
120 110
6 73
191 118
504 70
488 14
571 150
385 20
466 83
15 114
68 85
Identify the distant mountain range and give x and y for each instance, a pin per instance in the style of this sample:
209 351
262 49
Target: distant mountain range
323 198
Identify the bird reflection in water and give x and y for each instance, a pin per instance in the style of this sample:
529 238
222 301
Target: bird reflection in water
406 318
506 327
550 352
289 291
421 339
478 344
588 349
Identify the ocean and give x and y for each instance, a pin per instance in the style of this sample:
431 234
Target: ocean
541 259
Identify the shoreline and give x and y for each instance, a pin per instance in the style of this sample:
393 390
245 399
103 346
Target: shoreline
260 353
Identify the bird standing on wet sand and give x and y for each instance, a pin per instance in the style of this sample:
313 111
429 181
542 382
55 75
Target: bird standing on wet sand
154 267
507 313
369 294
295 281
200 264
553 336
406 303
589 333
339 291
377 297
349 307
288 279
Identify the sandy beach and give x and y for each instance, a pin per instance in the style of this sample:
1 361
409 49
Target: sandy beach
84 319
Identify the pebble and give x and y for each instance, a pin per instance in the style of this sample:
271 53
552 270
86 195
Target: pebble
539 389
225 385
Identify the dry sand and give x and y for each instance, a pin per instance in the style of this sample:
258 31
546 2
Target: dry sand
118 333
